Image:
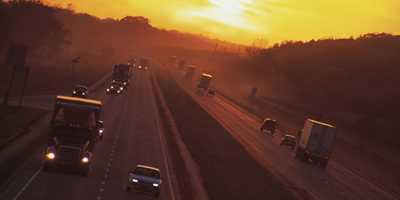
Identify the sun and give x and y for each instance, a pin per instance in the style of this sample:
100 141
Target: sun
227 12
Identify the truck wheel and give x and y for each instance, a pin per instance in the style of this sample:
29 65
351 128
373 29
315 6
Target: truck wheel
156 194
85 171
46 167
300 155
323 163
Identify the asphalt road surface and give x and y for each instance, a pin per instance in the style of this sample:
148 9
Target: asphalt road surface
133 136
335 182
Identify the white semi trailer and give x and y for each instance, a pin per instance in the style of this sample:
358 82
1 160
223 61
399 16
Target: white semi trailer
316 142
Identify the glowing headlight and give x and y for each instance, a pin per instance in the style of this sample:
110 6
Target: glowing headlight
85 160
74 92
134 180
124 83
50 156
118 91
140 67
83 93
101 130
155 184
112 87
121 88
108 90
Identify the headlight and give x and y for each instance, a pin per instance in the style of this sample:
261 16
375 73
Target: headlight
112 87
124 83
108 90
155 184
101 130
50 156
83 93
121 88
74 92
134 180
118 91
85 160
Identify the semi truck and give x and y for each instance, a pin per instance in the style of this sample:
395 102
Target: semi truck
75 128
121 73
316 142
205 81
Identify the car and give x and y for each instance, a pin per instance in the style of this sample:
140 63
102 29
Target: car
289 140
145 179
115 88
211 92
269 125
80 91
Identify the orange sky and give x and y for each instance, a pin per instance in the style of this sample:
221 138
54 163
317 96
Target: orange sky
244 21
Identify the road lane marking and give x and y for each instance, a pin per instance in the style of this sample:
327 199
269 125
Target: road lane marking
28 183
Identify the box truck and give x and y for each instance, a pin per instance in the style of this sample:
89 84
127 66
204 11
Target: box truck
316 142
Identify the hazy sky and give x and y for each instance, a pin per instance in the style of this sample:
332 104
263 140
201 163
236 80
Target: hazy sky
247 20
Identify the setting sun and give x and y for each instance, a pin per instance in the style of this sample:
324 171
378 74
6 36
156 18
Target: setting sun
228 12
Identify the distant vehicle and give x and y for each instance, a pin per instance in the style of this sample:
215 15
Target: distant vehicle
115 88
211 92
316 142
144 64
204 82
80 91
122 73
288 140
269 125
145 179
74 132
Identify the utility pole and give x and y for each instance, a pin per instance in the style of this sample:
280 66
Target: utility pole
74 62
27 72
16 57
10 85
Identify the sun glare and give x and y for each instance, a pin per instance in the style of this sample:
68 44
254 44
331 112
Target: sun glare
227 12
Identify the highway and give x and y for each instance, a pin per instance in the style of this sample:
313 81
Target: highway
335 182
133 136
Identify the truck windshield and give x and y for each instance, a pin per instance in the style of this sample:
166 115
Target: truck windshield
76 118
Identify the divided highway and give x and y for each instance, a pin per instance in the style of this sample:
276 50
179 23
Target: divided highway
335 182
133 136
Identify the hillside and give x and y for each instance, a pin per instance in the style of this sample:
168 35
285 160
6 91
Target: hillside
350 82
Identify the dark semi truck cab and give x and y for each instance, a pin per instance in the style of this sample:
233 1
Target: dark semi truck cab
75 129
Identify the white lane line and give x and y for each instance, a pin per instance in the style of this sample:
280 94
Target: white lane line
28 183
